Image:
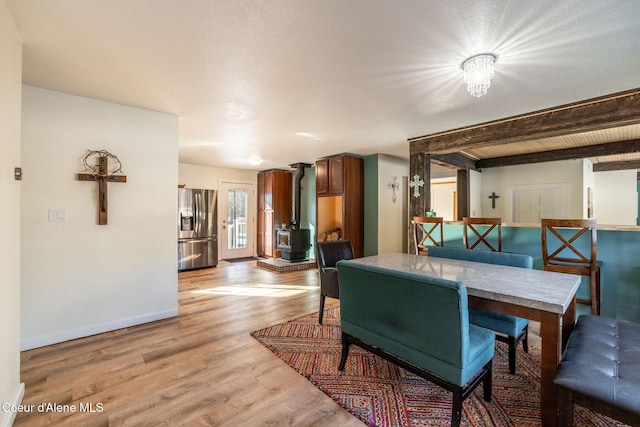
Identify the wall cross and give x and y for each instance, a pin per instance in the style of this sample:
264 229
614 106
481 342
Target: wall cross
416 183
102 176
394 186
493 198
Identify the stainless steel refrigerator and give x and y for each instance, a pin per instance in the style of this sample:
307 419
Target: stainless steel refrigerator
197 229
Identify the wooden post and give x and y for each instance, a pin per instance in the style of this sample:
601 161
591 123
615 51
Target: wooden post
420 164
464 195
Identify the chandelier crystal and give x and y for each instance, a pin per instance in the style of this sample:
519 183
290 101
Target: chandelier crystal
478 71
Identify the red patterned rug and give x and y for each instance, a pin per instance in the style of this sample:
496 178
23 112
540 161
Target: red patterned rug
381 394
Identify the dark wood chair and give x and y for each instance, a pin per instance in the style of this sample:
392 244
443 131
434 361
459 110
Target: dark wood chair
570 246
426 231
327 255
482 229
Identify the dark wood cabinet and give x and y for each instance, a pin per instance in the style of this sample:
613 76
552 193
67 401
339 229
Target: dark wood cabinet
274 208
340 200
330 176
322 176
336 174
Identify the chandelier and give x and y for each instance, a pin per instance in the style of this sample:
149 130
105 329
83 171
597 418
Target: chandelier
478 71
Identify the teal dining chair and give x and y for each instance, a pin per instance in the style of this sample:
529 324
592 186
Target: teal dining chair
510 329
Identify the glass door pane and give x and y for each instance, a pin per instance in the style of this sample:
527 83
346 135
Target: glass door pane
237 206
237 220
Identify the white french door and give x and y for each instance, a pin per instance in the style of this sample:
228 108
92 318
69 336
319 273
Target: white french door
237 220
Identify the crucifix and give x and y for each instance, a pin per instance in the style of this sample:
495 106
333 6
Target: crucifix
103 176
416 183
493 198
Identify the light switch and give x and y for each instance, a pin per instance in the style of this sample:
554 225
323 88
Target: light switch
57 215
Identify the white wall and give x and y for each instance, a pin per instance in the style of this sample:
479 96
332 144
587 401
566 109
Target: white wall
80 278
499 179
11 390
195 176
616 197
588 184
392 217
475 193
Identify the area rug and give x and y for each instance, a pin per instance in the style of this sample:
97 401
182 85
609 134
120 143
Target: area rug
381 394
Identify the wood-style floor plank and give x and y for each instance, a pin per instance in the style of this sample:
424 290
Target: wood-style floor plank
201 368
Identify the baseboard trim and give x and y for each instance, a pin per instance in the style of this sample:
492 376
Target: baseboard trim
61 336
7 418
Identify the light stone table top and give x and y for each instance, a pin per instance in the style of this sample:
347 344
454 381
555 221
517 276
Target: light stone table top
541 290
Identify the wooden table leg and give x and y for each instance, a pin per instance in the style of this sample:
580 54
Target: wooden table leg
568 322
551 334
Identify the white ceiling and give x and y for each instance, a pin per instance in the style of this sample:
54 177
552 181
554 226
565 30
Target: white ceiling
289 81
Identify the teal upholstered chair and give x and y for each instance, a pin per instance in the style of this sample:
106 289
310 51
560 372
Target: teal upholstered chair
511 329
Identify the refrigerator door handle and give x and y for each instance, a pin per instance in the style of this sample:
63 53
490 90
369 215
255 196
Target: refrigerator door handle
196 210
197 240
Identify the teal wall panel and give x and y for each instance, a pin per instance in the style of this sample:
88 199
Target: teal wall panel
371 205
638 188
618 250
308 205
308 198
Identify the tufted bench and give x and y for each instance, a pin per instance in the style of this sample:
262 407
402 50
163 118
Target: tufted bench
600 370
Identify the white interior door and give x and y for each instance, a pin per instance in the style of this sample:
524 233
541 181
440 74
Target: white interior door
237 220
529 205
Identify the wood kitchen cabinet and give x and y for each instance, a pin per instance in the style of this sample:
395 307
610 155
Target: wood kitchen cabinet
274 208
330 175
340 200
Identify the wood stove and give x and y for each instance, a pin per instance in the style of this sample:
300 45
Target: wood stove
294 244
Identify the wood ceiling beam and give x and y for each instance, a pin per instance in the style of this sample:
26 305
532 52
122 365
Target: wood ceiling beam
612 148
609 111
616 166
458 161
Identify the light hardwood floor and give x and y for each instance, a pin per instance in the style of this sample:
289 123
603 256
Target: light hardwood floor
199 368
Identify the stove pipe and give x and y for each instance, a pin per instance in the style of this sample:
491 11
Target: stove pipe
295 222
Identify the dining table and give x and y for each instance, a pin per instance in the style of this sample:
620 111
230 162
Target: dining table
538 295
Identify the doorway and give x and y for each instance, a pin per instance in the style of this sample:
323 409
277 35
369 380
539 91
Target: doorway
237 220
444 200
